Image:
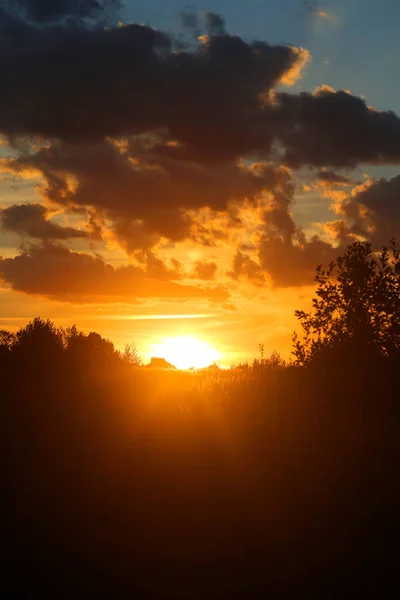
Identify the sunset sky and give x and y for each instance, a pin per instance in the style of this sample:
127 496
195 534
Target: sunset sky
179 171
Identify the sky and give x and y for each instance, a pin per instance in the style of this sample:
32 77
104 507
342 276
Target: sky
172 170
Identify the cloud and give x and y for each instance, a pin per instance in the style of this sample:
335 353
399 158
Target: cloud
155 268
245 267
328 178
334 128
322 14
293 262
30 220
145 187
340 232
92 13
215 24
157 141
319 12
42 11
332 185
190 20
79 83
204 270
58 273
372 211
285 255
295 72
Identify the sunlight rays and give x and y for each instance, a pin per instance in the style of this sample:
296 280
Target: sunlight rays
185 352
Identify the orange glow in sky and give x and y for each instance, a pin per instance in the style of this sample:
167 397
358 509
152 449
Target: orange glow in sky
186 352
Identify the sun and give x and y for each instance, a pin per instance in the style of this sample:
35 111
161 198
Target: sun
186 352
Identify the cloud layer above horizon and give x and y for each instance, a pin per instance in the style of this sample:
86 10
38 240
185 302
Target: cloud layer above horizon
186 155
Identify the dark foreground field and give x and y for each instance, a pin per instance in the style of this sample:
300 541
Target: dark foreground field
249 483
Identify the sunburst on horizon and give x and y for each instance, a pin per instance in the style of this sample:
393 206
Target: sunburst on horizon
186 352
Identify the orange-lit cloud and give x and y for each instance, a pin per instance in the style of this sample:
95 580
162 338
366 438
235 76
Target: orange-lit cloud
56 272
319 12
149 198
322 14
296 71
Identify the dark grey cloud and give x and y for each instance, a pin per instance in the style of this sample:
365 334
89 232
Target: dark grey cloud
215 24
75 82
334 128
79 83
293 262
191 24
30 220
48 10
190 20
330 178
45 11
58 273
284 263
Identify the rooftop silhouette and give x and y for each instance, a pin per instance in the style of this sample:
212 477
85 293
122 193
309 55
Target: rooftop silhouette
160 363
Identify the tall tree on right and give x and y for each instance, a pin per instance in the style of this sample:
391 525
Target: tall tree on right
356 308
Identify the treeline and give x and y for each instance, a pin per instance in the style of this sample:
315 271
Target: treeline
41 342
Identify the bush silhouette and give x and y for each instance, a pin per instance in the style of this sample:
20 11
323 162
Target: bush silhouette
131 356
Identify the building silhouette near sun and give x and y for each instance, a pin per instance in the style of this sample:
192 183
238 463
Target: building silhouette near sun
159 363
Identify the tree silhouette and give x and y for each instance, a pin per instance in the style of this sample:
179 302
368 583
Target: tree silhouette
39 341
90 350
356 308
7 339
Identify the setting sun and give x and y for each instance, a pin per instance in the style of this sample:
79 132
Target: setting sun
186 352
